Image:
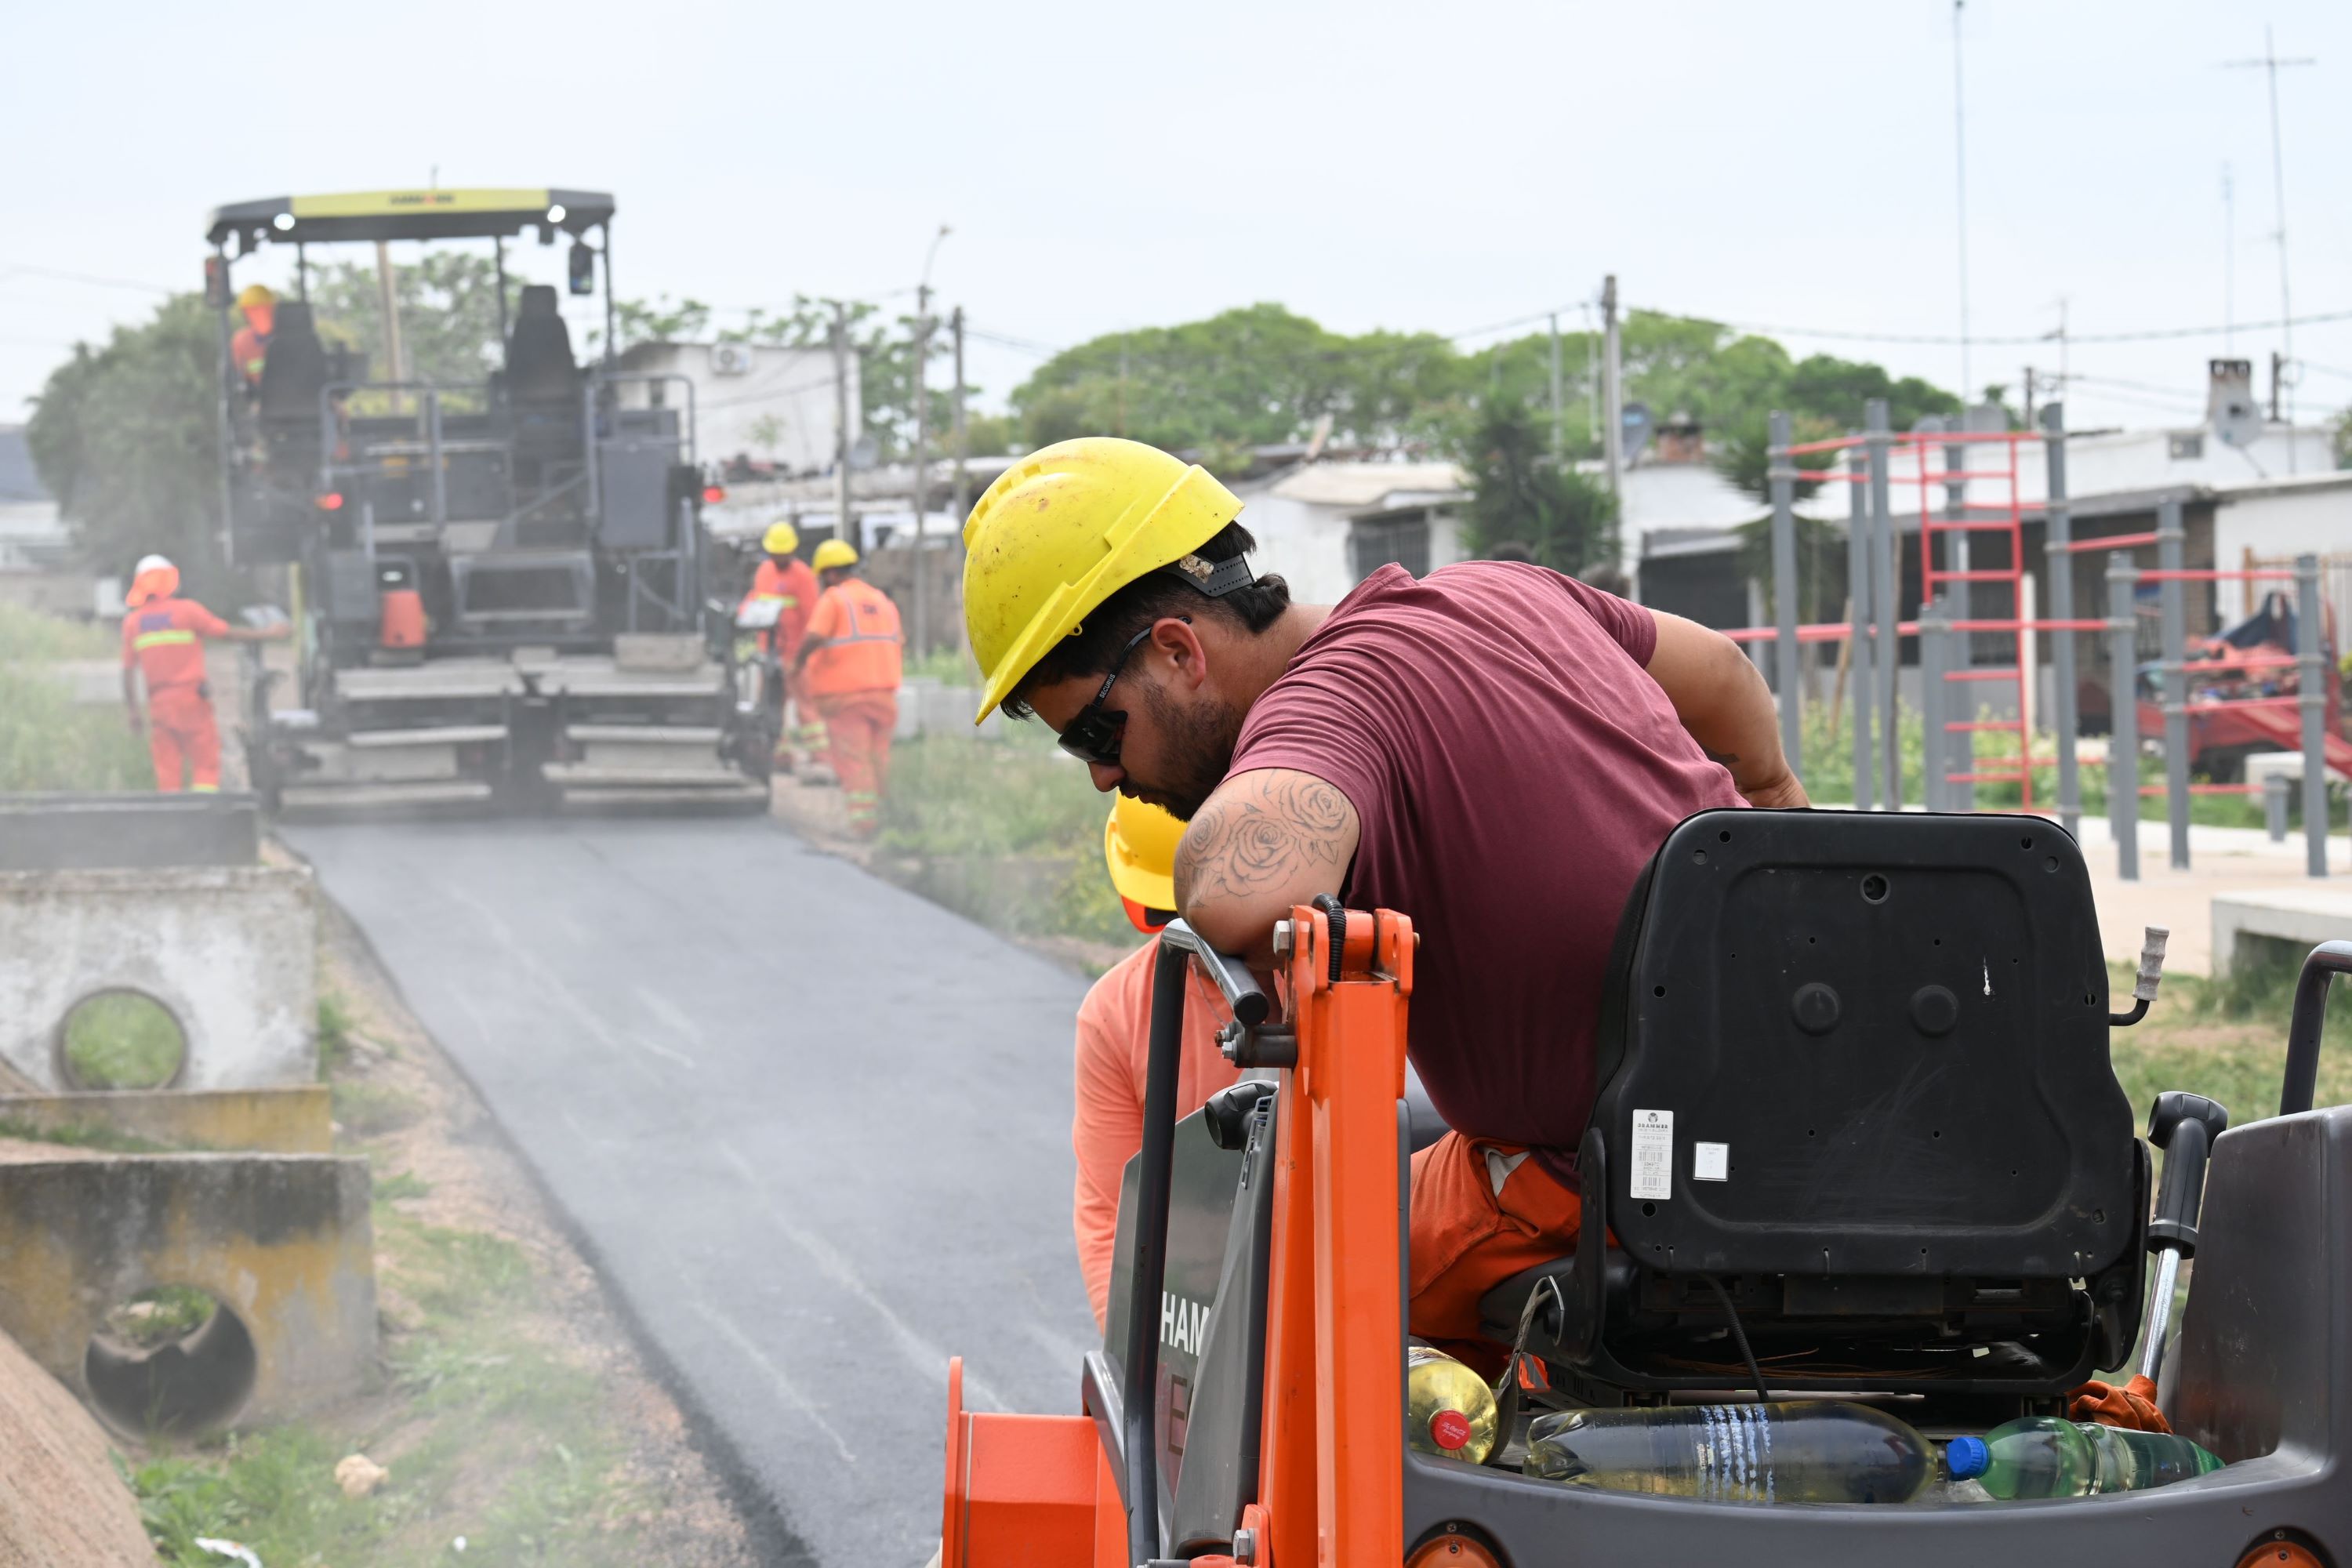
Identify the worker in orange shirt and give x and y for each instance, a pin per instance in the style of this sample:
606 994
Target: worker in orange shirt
249 348
784 581
1114 1038
163 641
851 657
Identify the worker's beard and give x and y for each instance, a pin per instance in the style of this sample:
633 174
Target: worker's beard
1198 742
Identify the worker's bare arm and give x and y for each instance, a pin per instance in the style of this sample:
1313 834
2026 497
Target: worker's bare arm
808 647
1267 840
1723 701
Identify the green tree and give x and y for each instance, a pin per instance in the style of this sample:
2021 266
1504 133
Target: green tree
1248 376
1833 390
126 436
1520 496
449 314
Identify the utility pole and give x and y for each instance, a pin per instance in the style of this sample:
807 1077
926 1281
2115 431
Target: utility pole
1960 186
1558 412
396 358
1592 380
2269 64
922 437
962 450
843 529
2028 397
923 444
1613 391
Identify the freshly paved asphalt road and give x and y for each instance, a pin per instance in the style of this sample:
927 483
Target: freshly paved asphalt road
814 1129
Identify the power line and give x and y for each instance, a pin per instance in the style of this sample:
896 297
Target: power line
90 277
2152 335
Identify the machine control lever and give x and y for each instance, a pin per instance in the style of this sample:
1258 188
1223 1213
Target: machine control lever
2151 972
2184 1126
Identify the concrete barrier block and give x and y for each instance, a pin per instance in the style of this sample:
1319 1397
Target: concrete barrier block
282 1242
2302 916
57 832
230 950
299 1121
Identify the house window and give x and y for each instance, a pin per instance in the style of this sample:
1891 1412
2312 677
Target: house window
2188 447
1373 543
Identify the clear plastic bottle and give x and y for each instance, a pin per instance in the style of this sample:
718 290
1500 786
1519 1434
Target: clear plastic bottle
1449 1409
2048 1456
1812 1451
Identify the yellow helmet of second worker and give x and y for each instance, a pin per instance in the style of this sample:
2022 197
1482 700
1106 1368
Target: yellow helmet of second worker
833 553
1140 846
1061 530
254 294
781 538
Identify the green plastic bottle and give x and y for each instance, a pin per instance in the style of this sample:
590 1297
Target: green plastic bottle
1811 1451
2048 1456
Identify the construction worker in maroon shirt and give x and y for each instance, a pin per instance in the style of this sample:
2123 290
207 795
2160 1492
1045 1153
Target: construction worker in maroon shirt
1495 751
163 638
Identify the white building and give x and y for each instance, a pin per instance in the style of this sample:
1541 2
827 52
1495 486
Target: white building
771 405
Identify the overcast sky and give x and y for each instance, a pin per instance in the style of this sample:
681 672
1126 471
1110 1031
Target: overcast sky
1428 166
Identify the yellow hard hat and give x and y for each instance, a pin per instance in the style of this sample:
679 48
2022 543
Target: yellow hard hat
1140 846
832 552
255 294
781 538
1065 529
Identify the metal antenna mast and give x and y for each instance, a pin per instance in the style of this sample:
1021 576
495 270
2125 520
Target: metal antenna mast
1960 183
2269 64
2229 264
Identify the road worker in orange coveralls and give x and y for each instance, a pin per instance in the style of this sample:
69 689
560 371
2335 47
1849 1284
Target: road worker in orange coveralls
163 642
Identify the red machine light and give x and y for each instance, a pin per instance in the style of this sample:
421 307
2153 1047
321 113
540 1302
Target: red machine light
331 501
1454 1548
713 494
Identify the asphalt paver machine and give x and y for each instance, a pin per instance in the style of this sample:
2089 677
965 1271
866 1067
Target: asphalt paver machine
498 581
1854 1090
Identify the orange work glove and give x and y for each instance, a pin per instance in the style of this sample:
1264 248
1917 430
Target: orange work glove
2132 1406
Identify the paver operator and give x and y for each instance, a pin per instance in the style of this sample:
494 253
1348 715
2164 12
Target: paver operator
248 348
851 655
163 642
1495 750
784 580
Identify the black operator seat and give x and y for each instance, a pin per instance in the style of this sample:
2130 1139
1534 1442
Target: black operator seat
1853 1070
294 370
539 369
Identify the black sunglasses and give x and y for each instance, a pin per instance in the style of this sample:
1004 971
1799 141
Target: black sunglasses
1094 736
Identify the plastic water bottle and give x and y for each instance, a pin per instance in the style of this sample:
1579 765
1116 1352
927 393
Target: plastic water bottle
1813 1451
2048 1456
1449 1409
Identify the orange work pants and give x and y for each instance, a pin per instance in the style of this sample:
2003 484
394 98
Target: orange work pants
181 728
858 726
1481 1213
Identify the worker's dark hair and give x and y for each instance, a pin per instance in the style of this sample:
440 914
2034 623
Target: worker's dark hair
1609 578
1100 638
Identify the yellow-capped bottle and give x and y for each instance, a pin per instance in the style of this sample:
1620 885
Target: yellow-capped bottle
1448 1409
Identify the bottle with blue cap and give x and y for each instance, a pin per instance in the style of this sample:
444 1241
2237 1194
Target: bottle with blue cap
2047 1456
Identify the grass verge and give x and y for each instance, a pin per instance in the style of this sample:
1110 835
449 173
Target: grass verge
511 1425
2226 1038
1008 833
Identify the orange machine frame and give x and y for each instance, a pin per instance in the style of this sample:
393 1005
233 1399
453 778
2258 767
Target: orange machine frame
1038 1490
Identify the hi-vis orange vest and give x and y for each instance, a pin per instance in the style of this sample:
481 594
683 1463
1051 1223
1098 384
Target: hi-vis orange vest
860 626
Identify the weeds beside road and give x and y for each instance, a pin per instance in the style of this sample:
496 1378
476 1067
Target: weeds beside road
511 1412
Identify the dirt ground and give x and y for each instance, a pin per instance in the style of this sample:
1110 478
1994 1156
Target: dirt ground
427 1125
